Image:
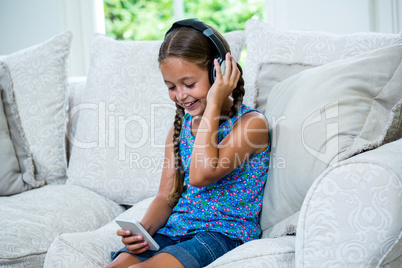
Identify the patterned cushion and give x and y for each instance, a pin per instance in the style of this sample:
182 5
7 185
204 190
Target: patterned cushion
124 119
265 44
270 74
17 172
39 79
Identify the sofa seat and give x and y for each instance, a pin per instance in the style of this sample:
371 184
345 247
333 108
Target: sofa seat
92 248
265 252
30 221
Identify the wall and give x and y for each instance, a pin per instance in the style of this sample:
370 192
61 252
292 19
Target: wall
337 16
24 23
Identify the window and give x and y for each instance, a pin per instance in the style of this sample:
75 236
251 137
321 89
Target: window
150 19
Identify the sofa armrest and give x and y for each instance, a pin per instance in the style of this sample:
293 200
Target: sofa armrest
351 214
76 86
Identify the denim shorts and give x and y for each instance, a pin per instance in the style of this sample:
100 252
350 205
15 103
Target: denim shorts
192 251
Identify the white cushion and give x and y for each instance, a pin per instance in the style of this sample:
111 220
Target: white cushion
271 73
327 114
265 44
39 79
17 167
123 122
30 221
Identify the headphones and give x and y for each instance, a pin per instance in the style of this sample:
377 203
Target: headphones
205 30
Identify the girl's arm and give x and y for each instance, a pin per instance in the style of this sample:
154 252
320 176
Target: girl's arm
210 161
159 210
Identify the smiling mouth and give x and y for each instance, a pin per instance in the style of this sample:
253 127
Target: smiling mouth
189 104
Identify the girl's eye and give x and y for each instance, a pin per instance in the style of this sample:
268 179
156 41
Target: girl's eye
191 85
171 88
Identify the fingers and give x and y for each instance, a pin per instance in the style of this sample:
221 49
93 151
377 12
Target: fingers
231 72
134 243
132 239
218 71
138 247
224 85
122 232
230 64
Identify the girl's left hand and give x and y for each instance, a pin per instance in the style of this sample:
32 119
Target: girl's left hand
224 84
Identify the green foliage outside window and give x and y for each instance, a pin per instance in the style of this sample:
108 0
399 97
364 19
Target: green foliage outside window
224 15
150 19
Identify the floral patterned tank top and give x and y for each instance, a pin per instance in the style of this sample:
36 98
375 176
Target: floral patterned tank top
231 205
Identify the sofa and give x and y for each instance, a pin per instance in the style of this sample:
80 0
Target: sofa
77 152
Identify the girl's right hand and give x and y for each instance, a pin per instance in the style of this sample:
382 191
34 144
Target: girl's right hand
224 84
134 243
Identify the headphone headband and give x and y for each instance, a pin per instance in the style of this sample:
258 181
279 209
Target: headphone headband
205 30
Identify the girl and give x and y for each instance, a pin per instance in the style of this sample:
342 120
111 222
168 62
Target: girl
217 155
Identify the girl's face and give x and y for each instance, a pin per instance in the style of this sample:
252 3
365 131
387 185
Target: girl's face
188 84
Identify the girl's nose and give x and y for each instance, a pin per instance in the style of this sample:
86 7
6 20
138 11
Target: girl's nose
181 94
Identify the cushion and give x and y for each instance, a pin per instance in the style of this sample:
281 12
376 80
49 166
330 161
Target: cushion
265 44
270 74
17 168
118 147
39 79
327 114
36 217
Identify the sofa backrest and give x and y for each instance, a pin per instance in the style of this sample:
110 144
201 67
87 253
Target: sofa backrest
324 104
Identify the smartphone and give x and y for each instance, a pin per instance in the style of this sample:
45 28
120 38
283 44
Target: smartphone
136 229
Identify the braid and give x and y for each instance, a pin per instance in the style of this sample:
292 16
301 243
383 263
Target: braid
237 95
179 175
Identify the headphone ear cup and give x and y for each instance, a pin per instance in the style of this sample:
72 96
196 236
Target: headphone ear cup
212 71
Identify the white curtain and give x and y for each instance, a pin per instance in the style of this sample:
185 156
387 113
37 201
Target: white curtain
83 18
178 6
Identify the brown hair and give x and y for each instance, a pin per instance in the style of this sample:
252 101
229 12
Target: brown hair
191 45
